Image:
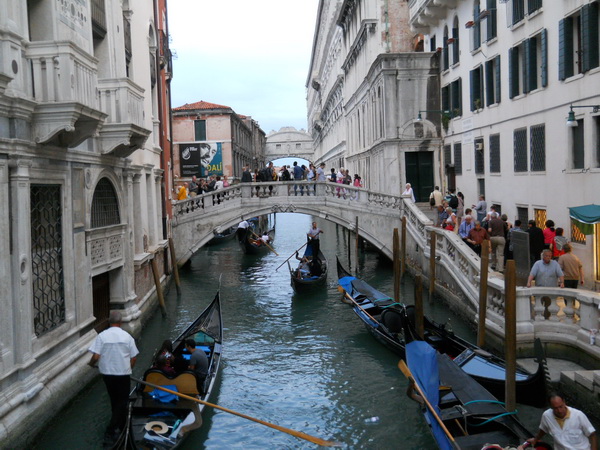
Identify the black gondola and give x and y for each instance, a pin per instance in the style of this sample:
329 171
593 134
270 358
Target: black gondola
155 424
224 236
313 276
251 242
382 318
471 418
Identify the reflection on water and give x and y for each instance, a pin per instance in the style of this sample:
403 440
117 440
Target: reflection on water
304 362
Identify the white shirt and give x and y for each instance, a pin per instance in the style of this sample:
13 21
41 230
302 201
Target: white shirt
409 191
243 224
116 347
218 185
321 175
574 433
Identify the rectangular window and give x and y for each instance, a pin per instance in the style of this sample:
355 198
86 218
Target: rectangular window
476 88
576 234
446 98
491 20
481 186
447 155
540 217
456 98
432 45
47 275
520 149
518 10
199 130
479 157
492 81
578 145
590 37
523 216
476 29
495 153
537 134
514 72
533 6
455 48
458 158
298 146
445 54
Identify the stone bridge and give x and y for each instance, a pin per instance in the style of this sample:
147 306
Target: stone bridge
565 319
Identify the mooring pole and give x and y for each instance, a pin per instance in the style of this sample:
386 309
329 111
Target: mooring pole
175 267
432 245
396 257
483 288
159 291
510 338
403 248
356 253
419 321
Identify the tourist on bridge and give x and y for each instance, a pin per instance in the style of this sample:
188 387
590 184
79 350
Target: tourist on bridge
569 427
357 183
497 230
182 193
460 209
408 191
284 174
298 175
313 239
333 176
546 272
321 173
480 208
572 268
465 227
476 236
436 198
246 175
442 215
536 242
194 186
549 233
115 353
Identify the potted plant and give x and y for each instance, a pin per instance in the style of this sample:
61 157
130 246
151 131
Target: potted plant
469 24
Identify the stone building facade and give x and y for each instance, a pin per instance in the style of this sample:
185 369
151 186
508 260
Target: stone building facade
510 73
365 88
81 182
211 139
289 142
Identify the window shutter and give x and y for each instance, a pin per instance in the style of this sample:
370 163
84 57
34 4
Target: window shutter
498 78
589 36
489 82
492 19
565 48
532 63
445 98
513 74
526 63
544 48
472 88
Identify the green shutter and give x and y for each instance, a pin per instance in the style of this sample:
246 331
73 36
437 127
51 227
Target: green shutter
492 19
565 48
589 36
489 82
498 78
544 46
513 72
532 63
472 88
445 98
200 130
526 63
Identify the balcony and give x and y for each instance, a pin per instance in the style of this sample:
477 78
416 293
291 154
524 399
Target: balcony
64 82
106 247
424 14
123 131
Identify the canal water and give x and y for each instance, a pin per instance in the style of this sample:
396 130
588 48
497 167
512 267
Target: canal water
304 362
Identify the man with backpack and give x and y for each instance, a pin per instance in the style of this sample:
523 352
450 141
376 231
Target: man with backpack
452 200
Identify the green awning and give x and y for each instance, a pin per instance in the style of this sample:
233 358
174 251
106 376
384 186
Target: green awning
584 217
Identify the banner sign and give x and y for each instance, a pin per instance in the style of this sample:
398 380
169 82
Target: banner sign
201 159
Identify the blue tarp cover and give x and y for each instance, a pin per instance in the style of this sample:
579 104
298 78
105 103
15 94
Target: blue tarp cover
346 283
583 217
421 359
164 397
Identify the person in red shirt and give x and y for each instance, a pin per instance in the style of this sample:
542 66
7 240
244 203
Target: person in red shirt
476 236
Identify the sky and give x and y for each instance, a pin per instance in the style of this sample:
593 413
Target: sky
250 56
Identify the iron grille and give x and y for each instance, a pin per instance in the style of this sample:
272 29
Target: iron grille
520 149
576 235
540 217
479 157
105 207
495 153
523 216
47 258
458 158
538 148
447 155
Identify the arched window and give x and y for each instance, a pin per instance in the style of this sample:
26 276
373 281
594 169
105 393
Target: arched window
455 52
105 205
445 58
477 25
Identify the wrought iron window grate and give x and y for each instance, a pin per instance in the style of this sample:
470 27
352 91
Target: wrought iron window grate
540 217
458 158
520 149
105 207
538 148
447 155
576 234
479 157
47 258
495 153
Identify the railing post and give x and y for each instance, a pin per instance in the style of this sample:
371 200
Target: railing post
432 247
510 337
483 288
397 270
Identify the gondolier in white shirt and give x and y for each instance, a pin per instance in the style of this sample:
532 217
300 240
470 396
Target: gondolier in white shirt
313 239
114 351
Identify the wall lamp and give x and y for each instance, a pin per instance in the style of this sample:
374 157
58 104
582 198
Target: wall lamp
443 113
571 121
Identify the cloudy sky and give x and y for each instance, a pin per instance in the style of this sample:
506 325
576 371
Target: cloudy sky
251 56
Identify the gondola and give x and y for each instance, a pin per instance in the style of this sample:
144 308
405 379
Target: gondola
472 418
382 318
224 236
250 241
305 282
153 423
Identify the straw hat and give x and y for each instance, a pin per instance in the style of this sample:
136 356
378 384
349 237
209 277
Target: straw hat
157 426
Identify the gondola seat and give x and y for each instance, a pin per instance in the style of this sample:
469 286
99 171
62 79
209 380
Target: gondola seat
186 382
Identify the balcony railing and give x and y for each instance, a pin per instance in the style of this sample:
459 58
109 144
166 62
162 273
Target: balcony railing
122 100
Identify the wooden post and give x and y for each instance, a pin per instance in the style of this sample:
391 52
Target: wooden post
350 250
159 291
403 248
510 338
356 253
483 288
175 267
419 321
432 245
396 257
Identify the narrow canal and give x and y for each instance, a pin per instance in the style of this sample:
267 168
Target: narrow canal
302 362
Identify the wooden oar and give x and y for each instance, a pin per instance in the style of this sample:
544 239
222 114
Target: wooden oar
298 434
291 256
407 373
258 237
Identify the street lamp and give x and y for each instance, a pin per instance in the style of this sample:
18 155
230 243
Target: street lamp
571 121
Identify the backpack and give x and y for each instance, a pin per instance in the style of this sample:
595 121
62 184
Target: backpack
264 174
285 176
431 201
560 242
453 203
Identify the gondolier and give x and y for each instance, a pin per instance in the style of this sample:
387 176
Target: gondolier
115 352
313 238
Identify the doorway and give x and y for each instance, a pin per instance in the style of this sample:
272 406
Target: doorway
101 301
419 173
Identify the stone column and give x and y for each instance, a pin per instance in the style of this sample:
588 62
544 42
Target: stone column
151 207
130 236
6 318
158 176
22 307
136 206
